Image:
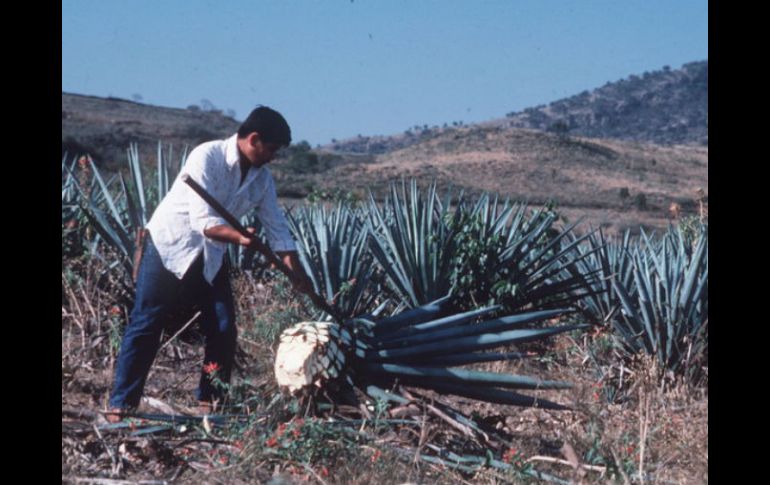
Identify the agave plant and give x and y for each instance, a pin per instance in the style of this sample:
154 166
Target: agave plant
483 253
69 206
424 347
117 210
413 243
333 248
665 310
509 255
142 198
71 216
609 260
374 364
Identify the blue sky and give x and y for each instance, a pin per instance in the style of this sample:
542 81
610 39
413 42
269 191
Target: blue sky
337 69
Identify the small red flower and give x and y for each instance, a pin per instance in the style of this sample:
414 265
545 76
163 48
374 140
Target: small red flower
376 456
509 455
211 368
324 471
115 311
272 442
223 459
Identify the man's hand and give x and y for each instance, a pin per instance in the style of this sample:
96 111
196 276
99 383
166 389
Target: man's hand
246 241
299 279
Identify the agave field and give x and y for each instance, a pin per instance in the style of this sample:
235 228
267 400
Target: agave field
478 340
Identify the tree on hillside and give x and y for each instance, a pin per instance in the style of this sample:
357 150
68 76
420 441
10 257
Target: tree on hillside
559 128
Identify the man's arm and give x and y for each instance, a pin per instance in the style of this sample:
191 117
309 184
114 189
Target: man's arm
228 234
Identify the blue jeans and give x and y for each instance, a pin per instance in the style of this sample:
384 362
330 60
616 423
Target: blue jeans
158 292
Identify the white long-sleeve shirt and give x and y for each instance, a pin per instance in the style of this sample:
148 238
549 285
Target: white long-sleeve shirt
178 223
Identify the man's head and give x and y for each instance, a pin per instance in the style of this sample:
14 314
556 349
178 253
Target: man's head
262 134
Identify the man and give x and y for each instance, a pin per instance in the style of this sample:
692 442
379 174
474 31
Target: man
185 250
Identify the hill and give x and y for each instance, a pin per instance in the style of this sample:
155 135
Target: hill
665 107
612 183
104 127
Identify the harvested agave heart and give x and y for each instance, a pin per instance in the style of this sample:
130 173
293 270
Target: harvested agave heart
310 353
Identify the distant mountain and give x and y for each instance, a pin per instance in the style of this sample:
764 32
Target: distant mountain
104 127
665 107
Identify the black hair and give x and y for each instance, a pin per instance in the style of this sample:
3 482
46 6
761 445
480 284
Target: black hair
270 124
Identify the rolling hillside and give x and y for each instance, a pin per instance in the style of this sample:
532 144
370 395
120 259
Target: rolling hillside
618 156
